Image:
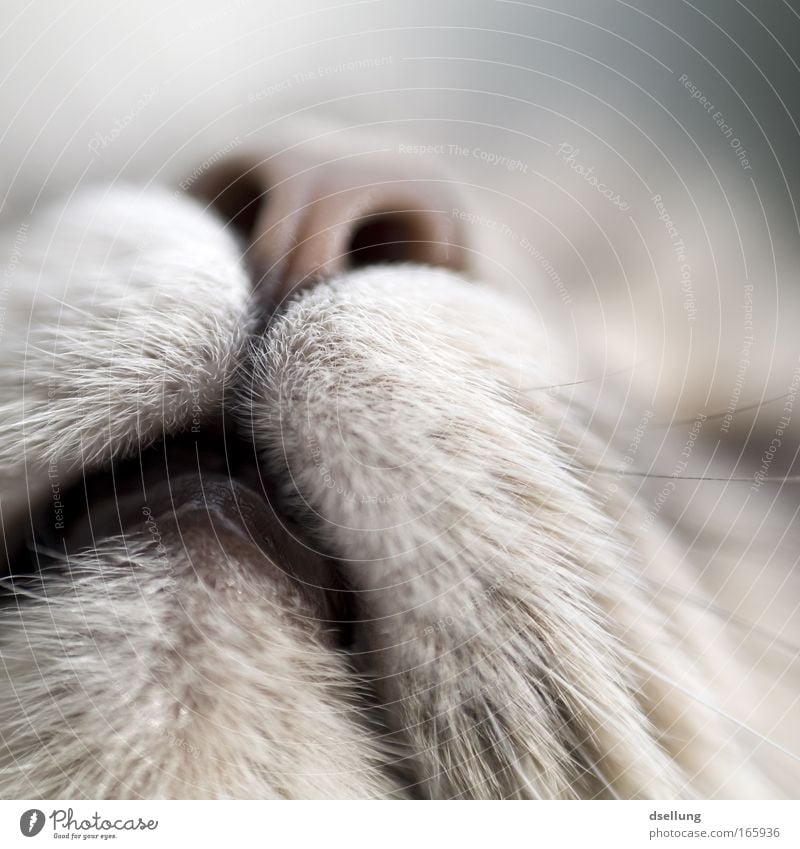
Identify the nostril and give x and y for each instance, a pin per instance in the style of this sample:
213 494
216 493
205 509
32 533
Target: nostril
238 192
391 237
303 221
241 203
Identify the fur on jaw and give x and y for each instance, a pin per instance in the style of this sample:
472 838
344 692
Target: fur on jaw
127 312
506 621
140 675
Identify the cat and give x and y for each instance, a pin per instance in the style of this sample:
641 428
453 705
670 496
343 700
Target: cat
373 542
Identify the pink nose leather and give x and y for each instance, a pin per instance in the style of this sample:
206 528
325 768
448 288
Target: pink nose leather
305 217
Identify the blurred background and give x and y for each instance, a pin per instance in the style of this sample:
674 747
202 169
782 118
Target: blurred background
631 169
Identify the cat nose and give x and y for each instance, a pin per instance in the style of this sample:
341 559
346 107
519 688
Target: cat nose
305 217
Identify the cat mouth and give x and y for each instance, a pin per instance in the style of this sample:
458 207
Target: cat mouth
198 494
207 468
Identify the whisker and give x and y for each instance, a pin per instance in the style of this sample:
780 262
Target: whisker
67 305
635 473
715 416
598 379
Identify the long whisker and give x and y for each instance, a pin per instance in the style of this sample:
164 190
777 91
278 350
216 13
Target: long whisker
636 473
582 382
714 416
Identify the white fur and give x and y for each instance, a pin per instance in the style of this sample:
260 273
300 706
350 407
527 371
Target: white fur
509 625
522 635
132 680
126 311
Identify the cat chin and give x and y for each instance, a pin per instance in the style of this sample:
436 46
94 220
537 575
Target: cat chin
143 674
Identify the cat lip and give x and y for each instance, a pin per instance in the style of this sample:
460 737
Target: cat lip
218 505
193 485
211 471
215 518
214 495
